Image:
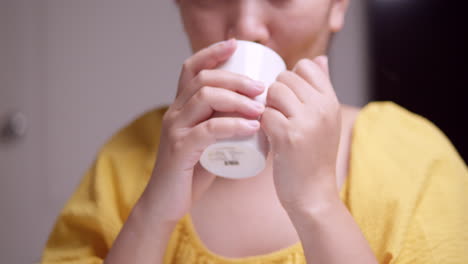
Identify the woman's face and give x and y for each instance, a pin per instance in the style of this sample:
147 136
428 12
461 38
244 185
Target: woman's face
294 28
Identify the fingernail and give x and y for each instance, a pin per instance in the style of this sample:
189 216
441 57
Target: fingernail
230 42
253 123
258 85
223 44
258 106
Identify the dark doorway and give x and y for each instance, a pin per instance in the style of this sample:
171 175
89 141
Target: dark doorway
419 60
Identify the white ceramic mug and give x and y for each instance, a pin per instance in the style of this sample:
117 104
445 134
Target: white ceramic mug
245 157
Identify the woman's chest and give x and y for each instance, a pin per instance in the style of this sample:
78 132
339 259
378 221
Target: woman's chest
249 228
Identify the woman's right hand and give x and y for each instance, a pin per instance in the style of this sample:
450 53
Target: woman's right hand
188 128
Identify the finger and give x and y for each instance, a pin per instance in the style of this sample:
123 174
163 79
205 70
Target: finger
220 78
313 74
273 123
207 58
283 99
211 99
210 57
213 129
301 88
322 61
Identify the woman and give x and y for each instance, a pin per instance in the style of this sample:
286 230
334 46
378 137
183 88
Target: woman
341 185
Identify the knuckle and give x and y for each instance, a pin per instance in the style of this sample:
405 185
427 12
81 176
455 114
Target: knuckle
203 76
275 88
303 63
265 119
273 92
294 138
284 76
211 126
177 144
237 124
186 64
281 76
306 66
172 139
270 98
268 117
325 116
169 116
203 93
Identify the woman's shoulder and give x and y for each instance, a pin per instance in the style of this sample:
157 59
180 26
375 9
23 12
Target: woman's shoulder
126 160
404 173
142 132
395 154
389 129
132 150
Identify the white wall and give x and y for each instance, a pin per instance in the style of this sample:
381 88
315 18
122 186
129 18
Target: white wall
348 57
24 215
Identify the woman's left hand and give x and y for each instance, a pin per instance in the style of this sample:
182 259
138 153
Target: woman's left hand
302 121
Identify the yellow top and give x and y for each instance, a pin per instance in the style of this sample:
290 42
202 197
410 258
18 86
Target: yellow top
407 190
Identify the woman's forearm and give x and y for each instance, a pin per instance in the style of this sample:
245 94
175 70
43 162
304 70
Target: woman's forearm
330 235
143 238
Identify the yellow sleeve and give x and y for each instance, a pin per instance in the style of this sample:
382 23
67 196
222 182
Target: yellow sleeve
90 221
92 218
438 231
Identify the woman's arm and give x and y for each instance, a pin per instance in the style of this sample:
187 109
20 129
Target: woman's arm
329 233
303 123
143 238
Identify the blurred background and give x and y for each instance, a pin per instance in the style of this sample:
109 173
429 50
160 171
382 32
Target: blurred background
74 72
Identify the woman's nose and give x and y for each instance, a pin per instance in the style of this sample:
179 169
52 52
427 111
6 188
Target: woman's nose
248 22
